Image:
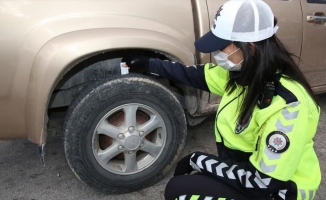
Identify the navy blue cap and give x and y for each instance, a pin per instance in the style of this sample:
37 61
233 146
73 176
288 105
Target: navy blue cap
209 43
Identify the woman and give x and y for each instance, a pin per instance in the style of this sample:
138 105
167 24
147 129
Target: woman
267 117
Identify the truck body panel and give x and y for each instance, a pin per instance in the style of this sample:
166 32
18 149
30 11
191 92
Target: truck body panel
28 49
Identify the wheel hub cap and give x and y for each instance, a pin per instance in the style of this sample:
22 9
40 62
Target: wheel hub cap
132 142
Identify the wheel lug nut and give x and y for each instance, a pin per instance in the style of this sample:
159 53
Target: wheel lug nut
120 147
120 136
141 133
142 144
131 129
131 152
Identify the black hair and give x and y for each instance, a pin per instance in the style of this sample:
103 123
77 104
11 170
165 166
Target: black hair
262 61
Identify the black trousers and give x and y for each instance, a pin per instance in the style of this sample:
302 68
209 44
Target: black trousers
203 187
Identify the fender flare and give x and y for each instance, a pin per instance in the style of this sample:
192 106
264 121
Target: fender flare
63 52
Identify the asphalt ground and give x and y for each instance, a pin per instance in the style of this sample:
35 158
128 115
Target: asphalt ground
23 177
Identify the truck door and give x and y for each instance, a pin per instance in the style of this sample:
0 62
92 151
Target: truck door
314 43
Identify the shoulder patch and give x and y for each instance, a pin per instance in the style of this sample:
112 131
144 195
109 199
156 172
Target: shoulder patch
277 142
211 65
241 127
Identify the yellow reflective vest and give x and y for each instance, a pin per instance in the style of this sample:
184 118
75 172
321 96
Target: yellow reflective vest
280 137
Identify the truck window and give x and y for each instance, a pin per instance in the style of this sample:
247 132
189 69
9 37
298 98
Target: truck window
317 1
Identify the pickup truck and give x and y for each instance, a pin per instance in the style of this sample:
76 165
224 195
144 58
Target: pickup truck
122 132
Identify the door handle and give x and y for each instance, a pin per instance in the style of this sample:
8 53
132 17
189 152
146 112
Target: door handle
313 18
317 17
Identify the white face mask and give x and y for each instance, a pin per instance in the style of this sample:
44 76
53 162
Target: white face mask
222 60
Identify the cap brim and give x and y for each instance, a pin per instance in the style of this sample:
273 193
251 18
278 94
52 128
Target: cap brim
209 43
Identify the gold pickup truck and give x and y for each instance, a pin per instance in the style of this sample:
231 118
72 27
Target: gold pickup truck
122 132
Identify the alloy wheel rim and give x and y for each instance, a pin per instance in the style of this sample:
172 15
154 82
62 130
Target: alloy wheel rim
129 139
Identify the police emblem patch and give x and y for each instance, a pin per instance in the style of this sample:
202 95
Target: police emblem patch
277 142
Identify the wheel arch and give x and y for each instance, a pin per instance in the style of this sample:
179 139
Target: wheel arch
65 52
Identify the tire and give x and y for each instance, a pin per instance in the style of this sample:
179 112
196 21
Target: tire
110 149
